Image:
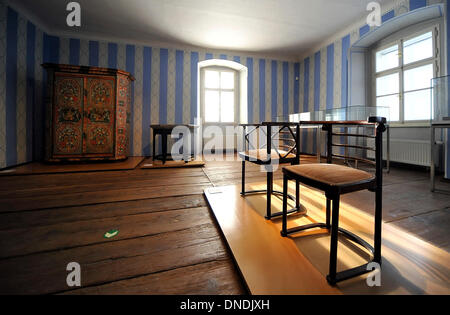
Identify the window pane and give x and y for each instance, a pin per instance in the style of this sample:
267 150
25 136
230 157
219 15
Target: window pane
387 58
418 78
212 106
227 80
388 84
212 79
393 103
418 105
418 48
227 107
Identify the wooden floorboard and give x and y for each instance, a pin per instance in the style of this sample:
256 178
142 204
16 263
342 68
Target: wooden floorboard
112 261
73 234
12 183
213 278
92 187
27 219
95 197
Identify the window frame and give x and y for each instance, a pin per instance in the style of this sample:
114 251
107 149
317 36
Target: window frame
398 39
203 90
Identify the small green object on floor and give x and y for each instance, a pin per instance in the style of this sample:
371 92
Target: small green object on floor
111 234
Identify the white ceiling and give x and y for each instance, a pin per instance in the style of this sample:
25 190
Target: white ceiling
277 27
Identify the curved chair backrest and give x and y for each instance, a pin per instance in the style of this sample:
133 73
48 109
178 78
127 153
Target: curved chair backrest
358 141
281 137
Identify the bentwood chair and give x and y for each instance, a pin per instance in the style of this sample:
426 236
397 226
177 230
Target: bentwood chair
336 180
282 143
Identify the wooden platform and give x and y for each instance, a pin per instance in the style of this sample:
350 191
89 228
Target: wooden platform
45 168
150 164
271 264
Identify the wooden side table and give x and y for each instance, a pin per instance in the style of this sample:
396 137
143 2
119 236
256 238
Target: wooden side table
164 131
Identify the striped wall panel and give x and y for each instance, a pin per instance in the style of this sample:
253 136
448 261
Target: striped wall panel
3 15
19 84
165 90
166 87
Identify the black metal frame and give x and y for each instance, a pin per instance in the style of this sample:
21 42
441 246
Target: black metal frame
282 159
333 194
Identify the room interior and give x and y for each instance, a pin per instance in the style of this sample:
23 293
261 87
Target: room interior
196 147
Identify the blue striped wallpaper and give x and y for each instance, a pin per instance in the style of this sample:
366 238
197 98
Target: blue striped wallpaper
165 90
274 96
344 70
297 88
330 76
93 54
285 89
332 92
179 87
146 100
262 89
317 57
11 86
30 91
166 85
250 89
416 4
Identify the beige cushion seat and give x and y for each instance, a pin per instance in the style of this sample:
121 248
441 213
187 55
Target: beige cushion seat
330 174
261 155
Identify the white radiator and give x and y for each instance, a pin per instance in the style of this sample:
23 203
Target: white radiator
416 152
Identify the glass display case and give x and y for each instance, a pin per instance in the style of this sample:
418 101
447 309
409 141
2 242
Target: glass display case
440 109
440 105
350 113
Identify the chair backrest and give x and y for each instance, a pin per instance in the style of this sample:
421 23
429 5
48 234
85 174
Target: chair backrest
357 141
281 137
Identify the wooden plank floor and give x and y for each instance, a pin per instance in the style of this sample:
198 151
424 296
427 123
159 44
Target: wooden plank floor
168 241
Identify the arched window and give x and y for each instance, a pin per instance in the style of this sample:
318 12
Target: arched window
219 95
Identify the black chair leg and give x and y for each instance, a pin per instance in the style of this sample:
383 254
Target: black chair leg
285 191
334 241
243 179
269 195
378 225
328 214
297 195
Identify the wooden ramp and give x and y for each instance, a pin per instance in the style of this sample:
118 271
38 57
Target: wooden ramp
271 264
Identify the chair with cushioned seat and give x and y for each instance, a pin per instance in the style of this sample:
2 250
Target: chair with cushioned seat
336 180
285 152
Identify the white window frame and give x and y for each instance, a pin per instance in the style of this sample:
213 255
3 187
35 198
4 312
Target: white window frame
398 39
203 90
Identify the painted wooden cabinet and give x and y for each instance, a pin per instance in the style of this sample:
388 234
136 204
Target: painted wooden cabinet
87 113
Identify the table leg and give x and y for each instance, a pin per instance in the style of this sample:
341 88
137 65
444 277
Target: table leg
164 147
319 144
154 145
432 167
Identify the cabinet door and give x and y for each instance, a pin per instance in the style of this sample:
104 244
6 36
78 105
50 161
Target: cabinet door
67 115
123 116
99 116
